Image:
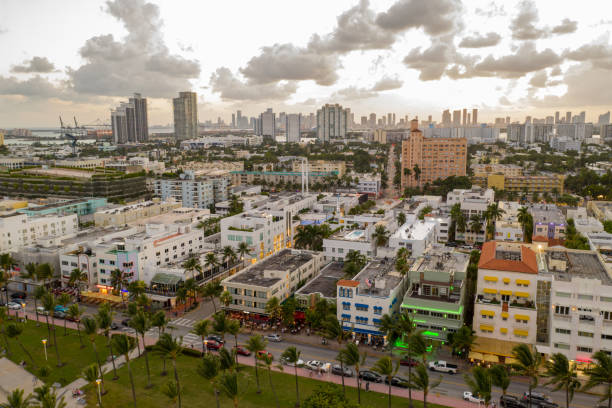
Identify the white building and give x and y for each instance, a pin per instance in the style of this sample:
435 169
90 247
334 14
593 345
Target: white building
340 244
474 203
564 144
507 228
293 126
12 163
192 191
127 214
362 301
332 122
19 230
415 236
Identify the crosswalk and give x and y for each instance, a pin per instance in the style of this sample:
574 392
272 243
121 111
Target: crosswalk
182 322
191 339
152 332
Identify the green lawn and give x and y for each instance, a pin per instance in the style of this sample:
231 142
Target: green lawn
197 392
72 355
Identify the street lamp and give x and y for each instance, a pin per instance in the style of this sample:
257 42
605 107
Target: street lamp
44 342
98 382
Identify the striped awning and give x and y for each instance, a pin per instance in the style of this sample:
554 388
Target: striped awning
487 313
490 290
486 327
490 278
520 332
521 294
521 317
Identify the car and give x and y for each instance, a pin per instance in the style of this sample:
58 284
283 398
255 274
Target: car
443 367
337 369
468 396
60 315
18 295
241 350
451 244
213 345
114 326
126 322
262 353
59 308
298 363
41 310
216 338
314 365
397 381
510 401
274 337
14 306
407 361
368 375
538 399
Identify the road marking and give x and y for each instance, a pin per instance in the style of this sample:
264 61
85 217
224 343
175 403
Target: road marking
183 322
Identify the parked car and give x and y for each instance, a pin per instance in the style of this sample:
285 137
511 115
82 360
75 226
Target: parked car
213 345
510 401
14 306
298 363
397 381
337 369
60 315
368 375
407 361
539 399
59 308
114 326
262 353
216 338
19 295
274 337
125 322
468 396
314 365
41 310
241 350
443 367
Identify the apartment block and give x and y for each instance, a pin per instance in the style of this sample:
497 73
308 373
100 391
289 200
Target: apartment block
531 184
81 207
128 214
19 230
323 286
473 203
338 167
507 228
192 191
548 223
508 170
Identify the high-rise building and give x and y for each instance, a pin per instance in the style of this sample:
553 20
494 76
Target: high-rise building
507 120
364 121
389 119
130 121
282 121
431 158
604 118
331 122
446 117
465 119
393 119
457 118
185 109
239 118
474 116
372 122
568 117
266 125
556 117
293 125
141 117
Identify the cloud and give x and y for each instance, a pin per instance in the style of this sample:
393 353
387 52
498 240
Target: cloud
523 25
387 84
504 101
432 61
479 41
139 62
34 65
539 79
229 87
491 10
567 26
354 93
524 60
356 29
435 17
288 62
35 87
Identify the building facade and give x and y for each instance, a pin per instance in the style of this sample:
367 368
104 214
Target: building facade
332 122
192 191
293 127
185 109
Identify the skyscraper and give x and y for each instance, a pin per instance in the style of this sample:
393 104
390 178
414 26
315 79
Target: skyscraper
266 125
474 116
568 117
446 117
372 123
556 117
457 118
604 118
293 124
465 121
331 122
141 116
185 109
130 121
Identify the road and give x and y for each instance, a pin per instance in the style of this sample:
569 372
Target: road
451 386
391 190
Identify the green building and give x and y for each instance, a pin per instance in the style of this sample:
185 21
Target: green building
80 206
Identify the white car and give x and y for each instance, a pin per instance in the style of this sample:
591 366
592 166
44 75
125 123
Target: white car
299 363
468 396
14 306
274 337
316 365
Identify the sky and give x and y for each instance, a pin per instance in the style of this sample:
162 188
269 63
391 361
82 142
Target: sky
411 57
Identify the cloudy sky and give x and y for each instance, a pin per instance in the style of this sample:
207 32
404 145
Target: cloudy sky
415 57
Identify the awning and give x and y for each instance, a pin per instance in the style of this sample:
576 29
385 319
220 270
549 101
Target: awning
490 358
506 280
520 332
165 279
489 290
522 294
490 278
505 314
486 327
487 313
523 282
346 316
361 305
521 317
505 292
487 345
503 330
476 356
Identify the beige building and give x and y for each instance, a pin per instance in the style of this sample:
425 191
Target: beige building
322 166
131 213
185 109
380 136
214 165
509 170
85 163
531 184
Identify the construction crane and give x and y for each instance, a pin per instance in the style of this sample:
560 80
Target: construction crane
70 132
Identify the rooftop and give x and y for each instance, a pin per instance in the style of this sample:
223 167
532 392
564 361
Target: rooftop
325 282
415 231
55 205
442 259
508 257
262 273
378 278
350 235
568 264
547 213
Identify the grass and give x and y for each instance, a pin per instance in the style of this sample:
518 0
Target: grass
74 357
198 392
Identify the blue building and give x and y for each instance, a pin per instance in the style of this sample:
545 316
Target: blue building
81 206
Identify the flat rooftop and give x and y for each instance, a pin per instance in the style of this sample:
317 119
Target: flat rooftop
325 282
55 205
350 235
547 213
378 278
578 264
286 260
416 231
443 259
61 172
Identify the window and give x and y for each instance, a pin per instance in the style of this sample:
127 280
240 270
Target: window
346 306
378 310
562 310
562 346
361 308
64 262
606 336
563 294
437 314
563 331
423 312
585 297
585 334
584 349
607 315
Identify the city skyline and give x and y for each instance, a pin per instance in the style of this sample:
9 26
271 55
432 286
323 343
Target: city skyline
541 57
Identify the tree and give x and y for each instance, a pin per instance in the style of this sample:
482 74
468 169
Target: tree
327 396
233 328
475 224
226 298
405 327
202 329
220 323
211 261
123 345
212 290
388 325
352 358
75 313
16 399
500 377
384 366
209 369
64 299
7 263
119 280
192 265
90 326
229 256
422 382
228 385
47 398
527 364
526 220
417 172
49 304
39 293
462 341
160 321
169 348
255 344
401 217
380 236
104 317
562 375
601 374
243 250
141 323
273 309
480 383
292 356
13 331
77 277
455 215
170 391
191 288
333 330
267 360
137 289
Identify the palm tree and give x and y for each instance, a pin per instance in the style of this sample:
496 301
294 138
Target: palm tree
480 383
463 340
562 375
292 356
39 293
388 325
525 219
228 384
255 344
417 172
305 237
273 309
500 377
141 323
229 256
352 358
401 218
267 360
167 347
209 369
421 382
13 331
16 400
119 280
233 328
212 290
220 323
455 215
64 299
384 366
202 329
90 373
104 318
7 262
192 290
333 330
90 326
527 365
136 289
226 298
77 277
49 304
45 272
123 345
406 326
380 236
75 313
47 398
160 321
243 250
475 224
29 273
170 391
192 264
211 261
601 374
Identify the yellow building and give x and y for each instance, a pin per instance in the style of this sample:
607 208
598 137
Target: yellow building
322 166
531 184
509 170
1 139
